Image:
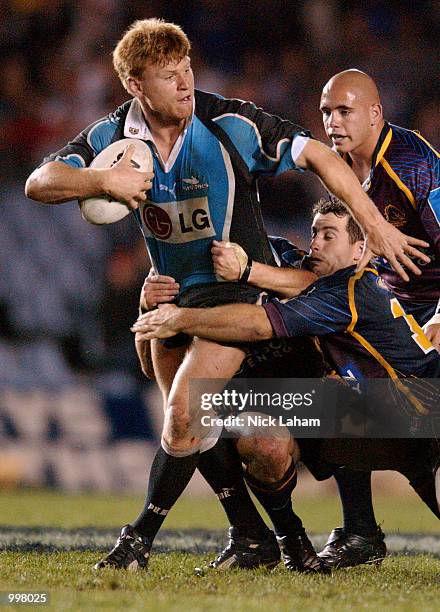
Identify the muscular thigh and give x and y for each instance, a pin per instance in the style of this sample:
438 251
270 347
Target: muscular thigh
206 359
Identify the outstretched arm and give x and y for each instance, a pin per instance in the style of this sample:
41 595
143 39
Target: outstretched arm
231 323
230 261
382 237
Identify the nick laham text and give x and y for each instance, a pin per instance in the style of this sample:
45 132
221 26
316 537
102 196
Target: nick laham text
259 420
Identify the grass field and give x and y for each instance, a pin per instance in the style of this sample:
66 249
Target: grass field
50 541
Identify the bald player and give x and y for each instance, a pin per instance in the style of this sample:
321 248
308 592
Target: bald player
400 171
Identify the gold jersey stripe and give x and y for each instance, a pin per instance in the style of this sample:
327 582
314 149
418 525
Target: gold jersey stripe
401 185
426 142
374 352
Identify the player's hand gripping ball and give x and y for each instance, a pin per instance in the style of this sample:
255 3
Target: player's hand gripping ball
103 209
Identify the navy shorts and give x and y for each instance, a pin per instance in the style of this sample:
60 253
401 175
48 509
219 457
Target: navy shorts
209 295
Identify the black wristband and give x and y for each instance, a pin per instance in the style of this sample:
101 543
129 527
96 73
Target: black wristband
245 276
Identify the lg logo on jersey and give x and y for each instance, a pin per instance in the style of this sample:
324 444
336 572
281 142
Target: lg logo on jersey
157 221
179 222
199 220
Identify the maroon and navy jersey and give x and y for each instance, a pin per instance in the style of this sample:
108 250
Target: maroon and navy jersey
405 186
362 327
364 334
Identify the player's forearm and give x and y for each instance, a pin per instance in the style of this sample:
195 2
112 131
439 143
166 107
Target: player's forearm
231 323
57 182
287 282
341 180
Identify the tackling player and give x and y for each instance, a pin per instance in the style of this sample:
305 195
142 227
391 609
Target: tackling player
400 171
208 153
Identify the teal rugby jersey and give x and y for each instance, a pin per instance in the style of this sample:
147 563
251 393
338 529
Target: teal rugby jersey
208 188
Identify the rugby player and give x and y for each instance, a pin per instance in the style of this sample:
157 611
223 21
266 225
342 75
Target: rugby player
364 333
400 171
270 480
208 153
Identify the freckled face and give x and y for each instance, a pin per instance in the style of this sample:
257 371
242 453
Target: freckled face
167 91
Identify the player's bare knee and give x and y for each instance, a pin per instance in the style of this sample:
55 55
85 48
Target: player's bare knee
180 446
270 457
177 421
178 438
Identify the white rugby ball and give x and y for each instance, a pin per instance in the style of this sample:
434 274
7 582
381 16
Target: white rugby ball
102 210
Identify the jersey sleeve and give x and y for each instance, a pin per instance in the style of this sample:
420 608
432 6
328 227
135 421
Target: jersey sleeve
80 151
316 312
419 171
428 196
287 255
267 144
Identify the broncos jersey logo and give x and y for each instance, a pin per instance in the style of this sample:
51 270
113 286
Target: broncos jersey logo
394 215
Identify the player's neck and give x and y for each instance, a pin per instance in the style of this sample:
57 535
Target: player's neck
361 166
362 156
165 132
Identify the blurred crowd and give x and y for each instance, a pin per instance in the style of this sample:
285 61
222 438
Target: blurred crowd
57 76
73 288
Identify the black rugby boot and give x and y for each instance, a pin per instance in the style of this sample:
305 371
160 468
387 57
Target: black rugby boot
131 551
247 553
299 555
349 549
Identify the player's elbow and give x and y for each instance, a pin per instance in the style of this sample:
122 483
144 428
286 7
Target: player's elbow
261 329
34 188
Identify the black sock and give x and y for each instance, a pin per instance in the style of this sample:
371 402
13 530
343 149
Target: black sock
357 504
222 470
276 499
168 478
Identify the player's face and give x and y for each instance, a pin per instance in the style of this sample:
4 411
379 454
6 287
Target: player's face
330 246
166 92
347 119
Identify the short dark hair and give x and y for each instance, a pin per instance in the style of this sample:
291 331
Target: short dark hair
340 209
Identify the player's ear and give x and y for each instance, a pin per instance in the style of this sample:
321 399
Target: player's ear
359 249
134 87
375 113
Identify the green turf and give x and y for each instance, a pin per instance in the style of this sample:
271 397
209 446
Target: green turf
406 583
33 508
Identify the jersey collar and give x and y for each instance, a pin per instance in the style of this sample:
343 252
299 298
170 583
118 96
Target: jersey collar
135 124
382 144
136 127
